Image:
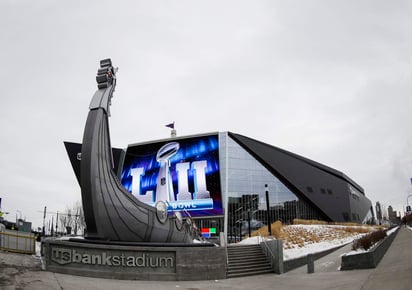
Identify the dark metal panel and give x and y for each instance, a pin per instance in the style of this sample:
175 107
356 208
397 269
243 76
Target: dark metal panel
324 187
74 151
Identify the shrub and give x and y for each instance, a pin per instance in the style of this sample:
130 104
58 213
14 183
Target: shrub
367 241
308 222
358 229
276 229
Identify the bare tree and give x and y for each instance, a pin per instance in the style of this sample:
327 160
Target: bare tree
71 220
63 222
79 223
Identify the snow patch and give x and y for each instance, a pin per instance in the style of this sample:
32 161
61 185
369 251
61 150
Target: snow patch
327 240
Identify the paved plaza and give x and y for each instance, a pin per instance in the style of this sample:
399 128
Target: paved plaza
393 272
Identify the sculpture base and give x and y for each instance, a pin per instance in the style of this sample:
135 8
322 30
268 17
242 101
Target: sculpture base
131 261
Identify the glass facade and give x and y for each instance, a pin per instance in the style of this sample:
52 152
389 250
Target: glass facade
369 218
243 181
246 205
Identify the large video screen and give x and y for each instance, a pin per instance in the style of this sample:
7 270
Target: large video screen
182 172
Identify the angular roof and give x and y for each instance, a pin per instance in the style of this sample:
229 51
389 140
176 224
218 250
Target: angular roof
325 188
268 155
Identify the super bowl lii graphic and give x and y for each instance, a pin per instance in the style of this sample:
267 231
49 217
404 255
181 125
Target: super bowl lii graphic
183 173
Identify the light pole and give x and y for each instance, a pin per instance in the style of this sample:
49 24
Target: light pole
57 221
44 221
248 223
268 210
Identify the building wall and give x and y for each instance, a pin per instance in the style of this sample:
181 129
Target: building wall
332 193
297 187
243 185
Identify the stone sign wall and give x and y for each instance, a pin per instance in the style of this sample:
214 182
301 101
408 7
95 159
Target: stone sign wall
135 262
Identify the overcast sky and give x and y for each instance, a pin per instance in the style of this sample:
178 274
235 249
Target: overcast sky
328 80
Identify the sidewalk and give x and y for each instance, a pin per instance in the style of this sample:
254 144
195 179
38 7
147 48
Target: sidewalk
395 269
393 272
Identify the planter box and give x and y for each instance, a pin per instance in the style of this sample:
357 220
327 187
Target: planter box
370 259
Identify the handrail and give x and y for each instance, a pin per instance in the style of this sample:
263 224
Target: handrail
269 249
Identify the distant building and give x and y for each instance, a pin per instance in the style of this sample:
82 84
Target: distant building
24 226
378 209
392 215
21 225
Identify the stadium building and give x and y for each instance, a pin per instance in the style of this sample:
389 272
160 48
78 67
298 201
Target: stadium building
228 181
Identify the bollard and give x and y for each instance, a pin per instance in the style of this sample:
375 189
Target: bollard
222 239
311 263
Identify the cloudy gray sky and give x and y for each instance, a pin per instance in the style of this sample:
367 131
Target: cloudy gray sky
329 80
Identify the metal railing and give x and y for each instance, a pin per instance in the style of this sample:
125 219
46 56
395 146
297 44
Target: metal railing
19 242
266 249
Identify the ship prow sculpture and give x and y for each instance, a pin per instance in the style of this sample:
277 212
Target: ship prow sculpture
111 212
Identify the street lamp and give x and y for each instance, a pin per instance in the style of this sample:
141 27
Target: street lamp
44 222
268 210
249 215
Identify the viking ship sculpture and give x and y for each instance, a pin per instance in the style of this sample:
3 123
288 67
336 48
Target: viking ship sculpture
111 212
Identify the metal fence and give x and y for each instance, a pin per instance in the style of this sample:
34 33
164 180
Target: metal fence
19 242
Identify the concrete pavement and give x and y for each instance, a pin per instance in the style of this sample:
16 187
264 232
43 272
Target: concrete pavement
393 272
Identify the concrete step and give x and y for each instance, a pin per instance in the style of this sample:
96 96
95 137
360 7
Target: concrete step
249 273
246 255
240 251
247 260
249 267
